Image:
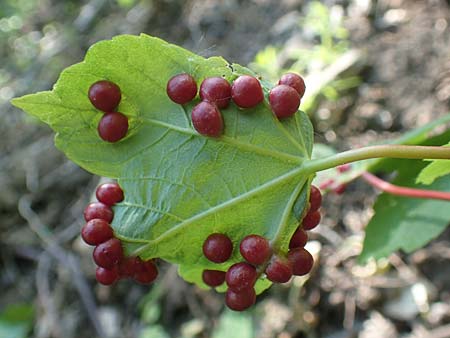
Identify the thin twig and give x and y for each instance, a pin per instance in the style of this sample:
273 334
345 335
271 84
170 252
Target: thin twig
44 294
65 259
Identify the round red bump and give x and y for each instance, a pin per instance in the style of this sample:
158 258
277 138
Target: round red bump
207 119
255 249
108 254
311 220
105 95
298 239
213 278
295 81
96 231
146 272
315 198
113 127
106 276
302 261
216 90
98 210
284 101
240 300
241 276
109 193
217 248
246 91
279 270
181 88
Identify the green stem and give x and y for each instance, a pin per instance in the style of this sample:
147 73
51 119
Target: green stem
389 151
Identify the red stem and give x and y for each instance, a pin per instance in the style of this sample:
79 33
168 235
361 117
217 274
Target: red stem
402 191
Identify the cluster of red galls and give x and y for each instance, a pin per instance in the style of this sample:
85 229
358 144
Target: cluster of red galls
260 258
105 96
215 93
240 278
246 92
108 253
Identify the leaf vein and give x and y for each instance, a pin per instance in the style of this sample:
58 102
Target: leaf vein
238 199
231 141
159 211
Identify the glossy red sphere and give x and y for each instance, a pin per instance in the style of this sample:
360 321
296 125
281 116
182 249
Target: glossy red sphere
298 239
311 220
98 210
302 261
240 300
279 270
113 127
295 81
213 278
106 276
146 272
207 119
105 95
109 193
284 101
108 254
96 231
255 249
182 88
315 198
216 90
241 276
217 248
246 91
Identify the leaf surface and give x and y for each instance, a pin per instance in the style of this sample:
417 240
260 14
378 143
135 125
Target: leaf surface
432 171
179 186
16 321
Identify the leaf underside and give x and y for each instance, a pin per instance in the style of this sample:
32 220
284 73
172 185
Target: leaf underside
180 186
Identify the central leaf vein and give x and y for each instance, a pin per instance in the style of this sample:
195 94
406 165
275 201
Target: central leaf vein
231 141
291 175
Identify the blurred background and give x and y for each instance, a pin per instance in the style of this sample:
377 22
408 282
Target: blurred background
374 69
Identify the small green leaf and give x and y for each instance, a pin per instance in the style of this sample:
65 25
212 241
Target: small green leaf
239 324
16 321
432 171
179 185
402 222
154 331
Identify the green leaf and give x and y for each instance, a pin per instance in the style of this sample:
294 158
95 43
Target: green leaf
402 222
179 186
16 321
240 324
432 171
389 229
154 331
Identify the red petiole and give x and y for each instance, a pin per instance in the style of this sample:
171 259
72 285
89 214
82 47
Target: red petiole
403 191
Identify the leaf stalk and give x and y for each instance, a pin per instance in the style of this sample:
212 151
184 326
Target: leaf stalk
404 191
379 151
